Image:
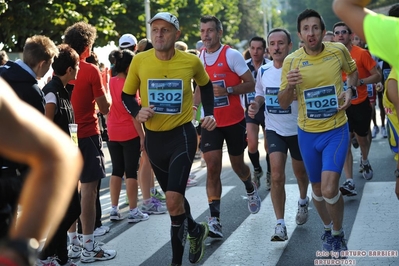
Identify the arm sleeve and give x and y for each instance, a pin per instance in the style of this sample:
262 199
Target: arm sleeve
130 103
207 98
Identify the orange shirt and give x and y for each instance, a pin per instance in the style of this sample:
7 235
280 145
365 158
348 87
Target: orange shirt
365 63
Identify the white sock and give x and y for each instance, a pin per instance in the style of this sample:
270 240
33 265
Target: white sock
303 201
350 180
336 233
73 238
281 221
88 242
365 161
328 226
134 211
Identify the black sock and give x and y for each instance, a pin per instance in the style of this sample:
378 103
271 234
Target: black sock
248 185
214 207
254 157
178 236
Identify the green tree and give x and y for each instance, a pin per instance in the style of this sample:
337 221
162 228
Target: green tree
22 19
322 6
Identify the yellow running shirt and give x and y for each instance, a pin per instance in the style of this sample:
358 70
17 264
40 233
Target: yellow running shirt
382 37
391 113
320 87
165 84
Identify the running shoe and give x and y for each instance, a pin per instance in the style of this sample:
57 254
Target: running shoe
348 189
254 201
327 241
96 254
302 214
268 181
69 263
158 195
203 163
367 171
375 131
384 132
191 182
355 144
215 227
74 251
339 244
257 175
197 155
280 233
50 261
115 215
137 217
154 207
99 232
197 244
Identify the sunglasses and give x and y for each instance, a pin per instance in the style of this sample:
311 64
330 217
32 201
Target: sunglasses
343 32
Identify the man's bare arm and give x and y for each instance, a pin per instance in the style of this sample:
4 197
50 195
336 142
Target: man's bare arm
27 136
352 12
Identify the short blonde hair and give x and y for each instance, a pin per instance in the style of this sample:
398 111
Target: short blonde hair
38 48
182 46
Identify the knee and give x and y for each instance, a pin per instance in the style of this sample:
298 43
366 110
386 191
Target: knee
329 192
277 179
174 203
334 199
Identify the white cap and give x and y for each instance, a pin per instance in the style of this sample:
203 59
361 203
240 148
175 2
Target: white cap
127 40
168 17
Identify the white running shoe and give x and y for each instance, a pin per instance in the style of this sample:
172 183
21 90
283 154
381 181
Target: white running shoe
154 207
74 251
215 227
302 214
96 254
137 217
280 233
254 201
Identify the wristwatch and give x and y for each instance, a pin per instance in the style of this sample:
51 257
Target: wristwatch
354 89
397 173
361 82
229 90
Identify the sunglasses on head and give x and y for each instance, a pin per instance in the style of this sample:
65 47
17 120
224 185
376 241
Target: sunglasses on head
341 32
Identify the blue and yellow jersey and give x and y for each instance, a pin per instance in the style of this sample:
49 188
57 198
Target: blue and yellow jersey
321 85
391 113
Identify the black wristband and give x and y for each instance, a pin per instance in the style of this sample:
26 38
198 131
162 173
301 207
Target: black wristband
353 88
27 248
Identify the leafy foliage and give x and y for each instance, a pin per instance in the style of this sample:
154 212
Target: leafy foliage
112 18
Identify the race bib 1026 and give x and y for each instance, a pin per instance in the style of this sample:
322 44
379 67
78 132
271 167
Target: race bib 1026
321 102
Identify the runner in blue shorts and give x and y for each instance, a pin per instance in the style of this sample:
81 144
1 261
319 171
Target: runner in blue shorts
312 75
